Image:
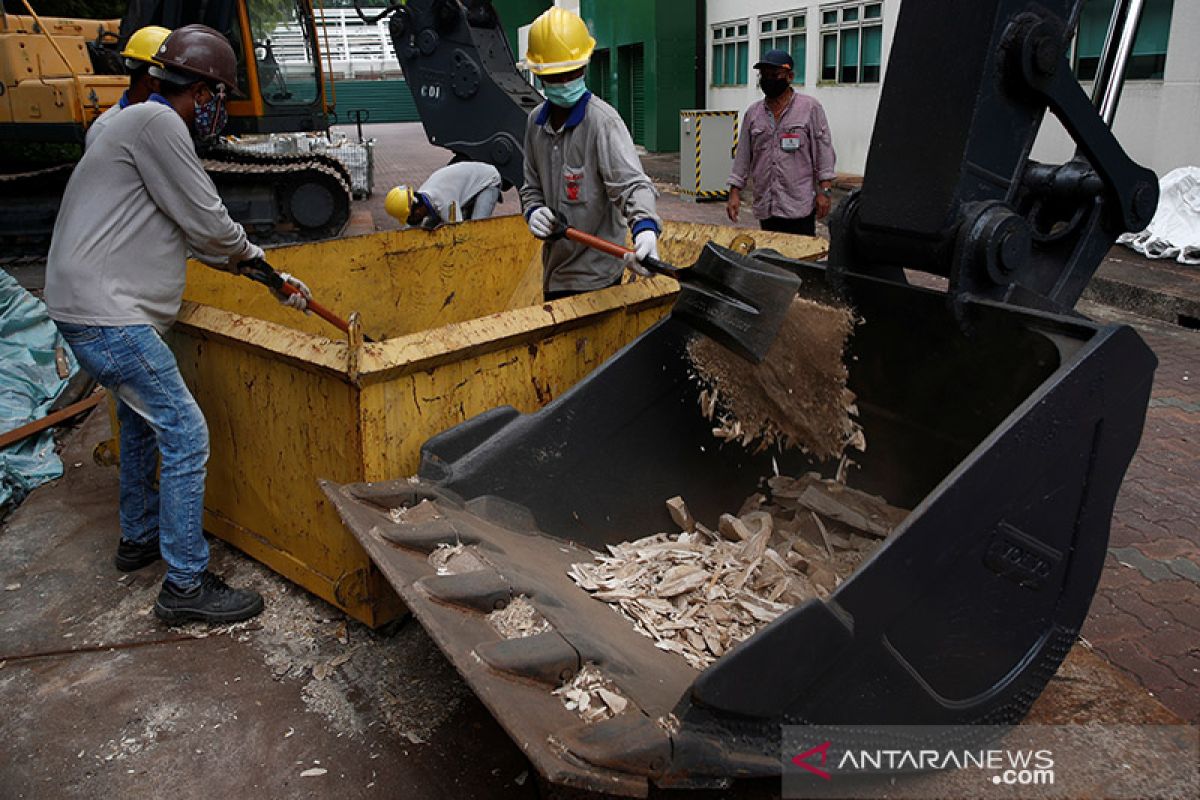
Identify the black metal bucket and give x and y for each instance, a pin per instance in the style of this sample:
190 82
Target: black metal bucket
1007 432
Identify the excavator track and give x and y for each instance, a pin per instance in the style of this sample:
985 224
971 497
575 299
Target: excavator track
280 198
28 205
277 198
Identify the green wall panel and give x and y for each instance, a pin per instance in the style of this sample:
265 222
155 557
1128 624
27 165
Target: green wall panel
666 29
515 14
386 100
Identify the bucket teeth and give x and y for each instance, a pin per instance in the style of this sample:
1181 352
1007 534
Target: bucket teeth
483 590
547 658
393 494
425 537
627 743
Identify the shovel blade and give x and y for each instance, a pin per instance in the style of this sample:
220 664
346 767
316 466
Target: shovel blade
738 301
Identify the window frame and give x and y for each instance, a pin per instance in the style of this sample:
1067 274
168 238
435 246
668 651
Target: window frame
1136 61
729 34
850 23
791 32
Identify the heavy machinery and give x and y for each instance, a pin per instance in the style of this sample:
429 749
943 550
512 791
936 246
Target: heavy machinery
60 74
1004 419
459 66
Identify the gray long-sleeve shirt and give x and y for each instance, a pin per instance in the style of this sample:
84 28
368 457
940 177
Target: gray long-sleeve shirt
136 202
590 172
454 186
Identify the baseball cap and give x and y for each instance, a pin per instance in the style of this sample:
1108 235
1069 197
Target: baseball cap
775 58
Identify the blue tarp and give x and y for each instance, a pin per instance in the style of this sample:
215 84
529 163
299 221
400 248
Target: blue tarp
29 385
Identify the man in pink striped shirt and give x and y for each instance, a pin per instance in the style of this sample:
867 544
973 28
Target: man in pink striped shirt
786 151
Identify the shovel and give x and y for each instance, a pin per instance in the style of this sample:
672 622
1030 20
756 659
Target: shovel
737 301
264 273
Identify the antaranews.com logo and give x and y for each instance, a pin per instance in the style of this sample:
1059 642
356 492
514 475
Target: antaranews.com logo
1123 761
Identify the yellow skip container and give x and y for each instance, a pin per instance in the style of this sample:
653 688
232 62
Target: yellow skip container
460 328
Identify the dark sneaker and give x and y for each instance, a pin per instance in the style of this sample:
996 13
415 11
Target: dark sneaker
211 601
131 555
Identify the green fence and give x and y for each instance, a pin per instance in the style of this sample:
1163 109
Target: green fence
385 100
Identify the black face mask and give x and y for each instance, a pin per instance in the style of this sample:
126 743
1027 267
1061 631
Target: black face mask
773 87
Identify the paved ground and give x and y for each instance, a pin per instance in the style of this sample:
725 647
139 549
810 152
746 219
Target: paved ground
102 701
1146 617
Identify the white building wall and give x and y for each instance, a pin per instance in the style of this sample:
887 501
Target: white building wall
1158 122
850 108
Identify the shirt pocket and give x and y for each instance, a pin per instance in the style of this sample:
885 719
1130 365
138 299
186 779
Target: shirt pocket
760 139
575 185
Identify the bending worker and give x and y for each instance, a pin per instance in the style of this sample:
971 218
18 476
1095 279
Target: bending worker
466 190
114 283
138 57
580 161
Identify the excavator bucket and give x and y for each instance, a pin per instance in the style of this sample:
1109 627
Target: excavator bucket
1001 418
1008 438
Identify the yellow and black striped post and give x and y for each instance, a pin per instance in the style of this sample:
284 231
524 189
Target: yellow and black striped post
697 190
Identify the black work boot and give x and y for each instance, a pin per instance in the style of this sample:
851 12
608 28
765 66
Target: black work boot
211 601
131 555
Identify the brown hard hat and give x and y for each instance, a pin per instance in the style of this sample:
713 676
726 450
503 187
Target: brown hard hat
198 51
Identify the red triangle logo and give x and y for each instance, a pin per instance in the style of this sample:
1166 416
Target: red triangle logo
802 760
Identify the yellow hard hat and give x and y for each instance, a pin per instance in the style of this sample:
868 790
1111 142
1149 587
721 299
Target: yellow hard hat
145 43
399 202
558 42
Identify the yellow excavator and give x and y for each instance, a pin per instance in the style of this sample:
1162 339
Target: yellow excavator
57 75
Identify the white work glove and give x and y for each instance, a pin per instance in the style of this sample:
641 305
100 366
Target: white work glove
253 252
542 222
645 244
298 301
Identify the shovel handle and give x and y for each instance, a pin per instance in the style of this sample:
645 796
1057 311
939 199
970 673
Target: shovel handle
605 246
264 273
320 310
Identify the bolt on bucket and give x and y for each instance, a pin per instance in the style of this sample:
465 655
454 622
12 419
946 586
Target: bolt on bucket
1004 431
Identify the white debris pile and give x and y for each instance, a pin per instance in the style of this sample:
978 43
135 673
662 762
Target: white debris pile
592 696
699 592
518 619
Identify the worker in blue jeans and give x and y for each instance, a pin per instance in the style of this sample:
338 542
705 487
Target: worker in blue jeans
138 200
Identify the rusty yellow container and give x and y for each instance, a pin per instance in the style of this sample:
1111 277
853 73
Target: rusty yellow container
460 328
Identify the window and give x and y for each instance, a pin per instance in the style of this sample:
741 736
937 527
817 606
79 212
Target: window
851 43
785 32
1149 48
730 53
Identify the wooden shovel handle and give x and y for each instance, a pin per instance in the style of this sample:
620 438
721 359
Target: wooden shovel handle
605 246
320 310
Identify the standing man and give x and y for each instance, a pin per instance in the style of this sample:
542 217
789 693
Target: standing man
138 56
115 276
466 190
786 150
580 161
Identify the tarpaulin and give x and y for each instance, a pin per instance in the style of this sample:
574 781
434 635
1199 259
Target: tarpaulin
29 385
1175 230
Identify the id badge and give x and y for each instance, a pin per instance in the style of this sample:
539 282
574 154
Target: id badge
789 142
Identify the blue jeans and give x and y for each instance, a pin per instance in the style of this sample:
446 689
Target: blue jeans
157 413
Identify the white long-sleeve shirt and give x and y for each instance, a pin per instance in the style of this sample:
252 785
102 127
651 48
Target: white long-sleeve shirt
137 201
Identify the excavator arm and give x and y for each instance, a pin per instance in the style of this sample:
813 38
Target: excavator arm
462 74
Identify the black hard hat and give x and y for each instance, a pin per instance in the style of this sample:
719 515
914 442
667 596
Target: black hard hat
775 58
197 52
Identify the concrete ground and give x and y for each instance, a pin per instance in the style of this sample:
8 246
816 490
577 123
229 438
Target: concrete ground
104 701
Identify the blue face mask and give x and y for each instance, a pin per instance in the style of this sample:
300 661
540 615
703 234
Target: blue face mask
566 94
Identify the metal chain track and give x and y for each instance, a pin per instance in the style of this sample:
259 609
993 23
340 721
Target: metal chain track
24 193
